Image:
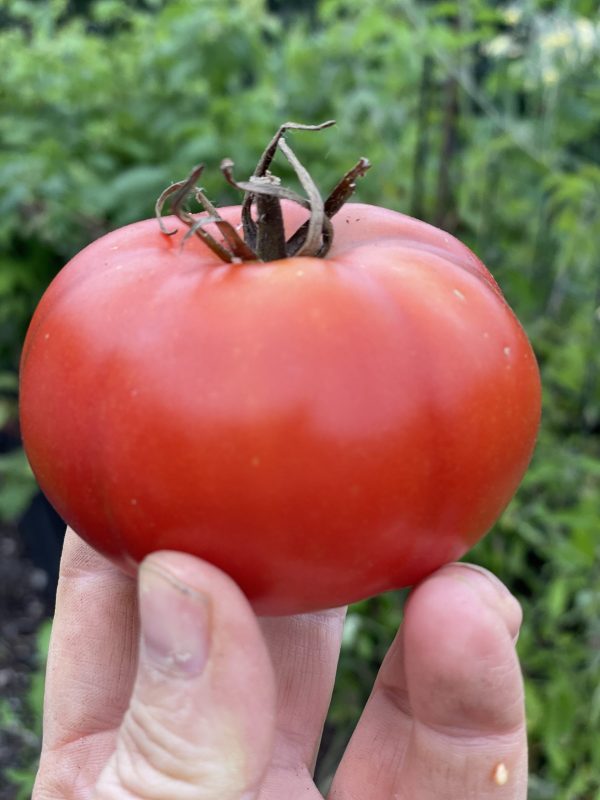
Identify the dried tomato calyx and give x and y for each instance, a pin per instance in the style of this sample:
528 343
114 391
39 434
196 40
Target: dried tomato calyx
264 236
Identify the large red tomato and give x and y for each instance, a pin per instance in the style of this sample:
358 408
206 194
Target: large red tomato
321 429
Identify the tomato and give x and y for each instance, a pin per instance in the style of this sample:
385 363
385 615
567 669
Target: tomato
321 429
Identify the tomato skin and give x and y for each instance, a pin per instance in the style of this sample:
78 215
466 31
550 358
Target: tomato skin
321 429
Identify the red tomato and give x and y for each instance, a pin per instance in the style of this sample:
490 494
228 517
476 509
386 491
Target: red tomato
321 429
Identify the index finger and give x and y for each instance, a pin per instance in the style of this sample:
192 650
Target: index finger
93 649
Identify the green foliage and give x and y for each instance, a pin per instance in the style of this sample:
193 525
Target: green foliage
547 547
26 724
17 485
479 117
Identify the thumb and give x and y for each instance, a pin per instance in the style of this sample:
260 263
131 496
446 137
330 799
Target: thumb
201 717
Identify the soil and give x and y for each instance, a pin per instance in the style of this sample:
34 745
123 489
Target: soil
24 605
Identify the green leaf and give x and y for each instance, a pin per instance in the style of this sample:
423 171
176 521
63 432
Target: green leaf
17 485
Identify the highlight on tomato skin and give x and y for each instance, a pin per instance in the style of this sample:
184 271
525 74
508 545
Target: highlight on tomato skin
330 406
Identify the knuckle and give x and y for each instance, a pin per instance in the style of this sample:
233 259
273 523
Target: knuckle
155 758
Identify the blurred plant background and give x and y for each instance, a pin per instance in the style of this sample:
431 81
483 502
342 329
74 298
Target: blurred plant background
479 116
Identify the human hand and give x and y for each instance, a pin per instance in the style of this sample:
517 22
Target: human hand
215 705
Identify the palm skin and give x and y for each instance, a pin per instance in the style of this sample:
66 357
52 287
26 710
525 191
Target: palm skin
202 701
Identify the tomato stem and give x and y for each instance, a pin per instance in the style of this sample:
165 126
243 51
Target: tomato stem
264 234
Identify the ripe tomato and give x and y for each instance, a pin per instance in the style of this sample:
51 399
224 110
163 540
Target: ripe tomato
321 429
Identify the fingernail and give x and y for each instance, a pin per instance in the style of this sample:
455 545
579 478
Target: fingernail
509 606
493 580
175 623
